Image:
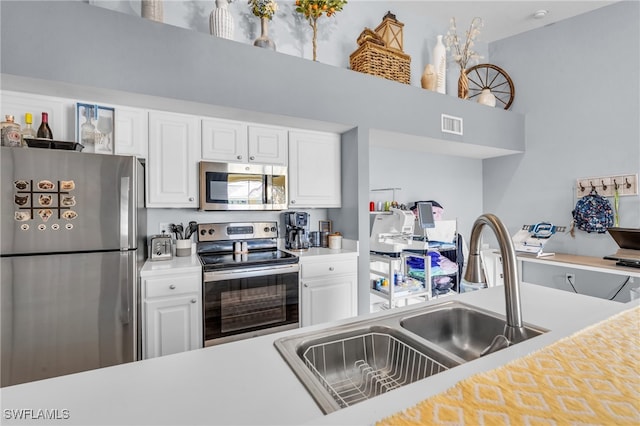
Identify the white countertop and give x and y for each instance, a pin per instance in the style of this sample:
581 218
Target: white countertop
176 264
247 382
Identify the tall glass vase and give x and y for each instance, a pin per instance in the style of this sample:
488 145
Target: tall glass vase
463 84
264 40
221 21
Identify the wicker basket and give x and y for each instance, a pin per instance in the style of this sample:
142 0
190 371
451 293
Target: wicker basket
373 59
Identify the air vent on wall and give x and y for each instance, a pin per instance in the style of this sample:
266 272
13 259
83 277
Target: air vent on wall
451 124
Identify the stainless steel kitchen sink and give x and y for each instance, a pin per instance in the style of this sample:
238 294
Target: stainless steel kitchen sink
463 330
346 364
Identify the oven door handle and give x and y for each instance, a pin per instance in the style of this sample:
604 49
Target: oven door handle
250 272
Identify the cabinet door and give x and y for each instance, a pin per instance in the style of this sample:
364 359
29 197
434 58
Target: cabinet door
131 131
326 300
224 140
172 325
314 170
267 145
172 169
60 110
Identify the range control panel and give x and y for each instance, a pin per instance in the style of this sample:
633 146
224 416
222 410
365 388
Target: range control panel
236 231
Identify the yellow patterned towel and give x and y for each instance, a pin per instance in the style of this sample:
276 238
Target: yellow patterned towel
590 378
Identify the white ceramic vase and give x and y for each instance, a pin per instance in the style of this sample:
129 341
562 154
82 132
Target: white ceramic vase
221 21
440 64
487 98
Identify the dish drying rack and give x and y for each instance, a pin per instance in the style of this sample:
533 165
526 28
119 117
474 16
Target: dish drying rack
358 368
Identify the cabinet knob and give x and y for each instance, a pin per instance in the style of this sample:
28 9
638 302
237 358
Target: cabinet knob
239 157
172 286
191 198
193 300
293 201
252 158
306 285
331 268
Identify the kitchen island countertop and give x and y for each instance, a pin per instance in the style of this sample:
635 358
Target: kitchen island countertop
248 382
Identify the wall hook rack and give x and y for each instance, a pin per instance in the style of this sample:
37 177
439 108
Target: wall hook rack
607 186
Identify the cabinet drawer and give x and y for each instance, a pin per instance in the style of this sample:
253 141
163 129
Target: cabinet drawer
325 269
171 285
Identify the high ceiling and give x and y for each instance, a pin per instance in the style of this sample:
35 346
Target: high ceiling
503 18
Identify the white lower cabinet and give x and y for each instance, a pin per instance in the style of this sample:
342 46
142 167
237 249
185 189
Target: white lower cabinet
329 288
171 314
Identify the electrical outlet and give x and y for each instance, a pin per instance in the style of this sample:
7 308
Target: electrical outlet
570 279
163 228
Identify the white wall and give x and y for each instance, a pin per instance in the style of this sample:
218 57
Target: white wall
577 82
455 183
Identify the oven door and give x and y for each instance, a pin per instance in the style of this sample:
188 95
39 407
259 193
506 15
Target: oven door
250 302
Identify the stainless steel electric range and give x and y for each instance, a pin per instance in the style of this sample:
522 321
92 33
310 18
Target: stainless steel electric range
250 287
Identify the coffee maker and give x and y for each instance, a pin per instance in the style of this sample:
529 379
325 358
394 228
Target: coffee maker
297 225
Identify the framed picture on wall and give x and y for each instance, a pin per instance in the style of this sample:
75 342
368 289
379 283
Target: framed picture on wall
95 127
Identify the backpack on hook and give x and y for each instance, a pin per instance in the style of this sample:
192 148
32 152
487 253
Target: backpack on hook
592 213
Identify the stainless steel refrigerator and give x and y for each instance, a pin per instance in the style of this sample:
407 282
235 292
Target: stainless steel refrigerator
72 240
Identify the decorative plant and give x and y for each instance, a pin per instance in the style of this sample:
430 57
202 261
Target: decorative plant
463 54
263 8
315 9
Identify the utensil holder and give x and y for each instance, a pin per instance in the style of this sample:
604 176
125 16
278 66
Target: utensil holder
183 248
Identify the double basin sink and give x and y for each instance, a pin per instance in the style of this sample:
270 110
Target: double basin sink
346 364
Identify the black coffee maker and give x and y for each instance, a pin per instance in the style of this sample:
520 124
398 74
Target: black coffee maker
297 225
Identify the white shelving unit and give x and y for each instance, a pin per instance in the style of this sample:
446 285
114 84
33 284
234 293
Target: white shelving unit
390 268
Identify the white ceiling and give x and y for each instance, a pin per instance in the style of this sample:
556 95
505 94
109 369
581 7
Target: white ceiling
502 18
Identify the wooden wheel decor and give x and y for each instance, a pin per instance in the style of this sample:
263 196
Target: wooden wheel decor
494 78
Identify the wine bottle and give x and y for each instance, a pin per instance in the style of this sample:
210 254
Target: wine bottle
44 131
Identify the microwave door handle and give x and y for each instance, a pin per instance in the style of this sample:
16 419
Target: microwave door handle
268 189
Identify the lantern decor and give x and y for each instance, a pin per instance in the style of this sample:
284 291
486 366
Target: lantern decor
380 52
313 10
390 30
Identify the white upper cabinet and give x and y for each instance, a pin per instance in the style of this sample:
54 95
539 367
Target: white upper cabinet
174 152
131 130
60 110
314 169
267 145
224 140
238 142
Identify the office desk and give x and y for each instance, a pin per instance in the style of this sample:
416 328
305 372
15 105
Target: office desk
587 263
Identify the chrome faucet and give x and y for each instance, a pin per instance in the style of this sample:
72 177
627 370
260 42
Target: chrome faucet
514 330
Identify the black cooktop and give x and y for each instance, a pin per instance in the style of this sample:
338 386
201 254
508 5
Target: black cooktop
219 261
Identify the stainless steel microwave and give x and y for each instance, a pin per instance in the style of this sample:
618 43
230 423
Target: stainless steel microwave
235 186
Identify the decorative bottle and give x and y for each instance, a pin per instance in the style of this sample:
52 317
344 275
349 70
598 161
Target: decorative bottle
44 131
28 132
440 65
10 132
87 129
221 21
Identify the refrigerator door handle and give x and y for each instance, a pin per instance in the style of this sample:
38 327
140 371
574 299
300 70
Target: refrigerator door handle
124 213
125 308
